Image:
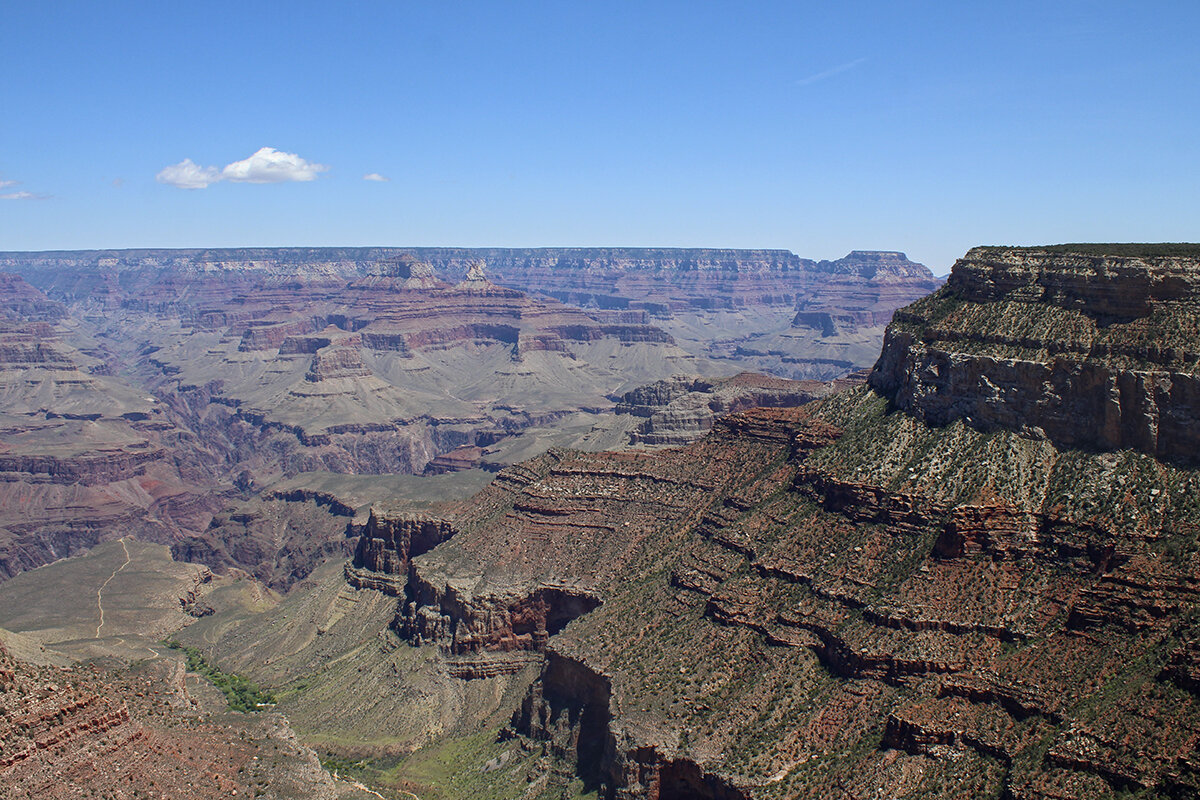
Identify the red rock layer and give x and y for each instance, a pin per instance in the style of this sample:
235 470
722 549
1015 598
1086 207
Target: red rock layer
77 733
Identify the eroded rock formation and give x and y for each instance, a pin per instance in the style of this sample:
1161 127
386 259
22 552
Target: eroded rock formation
681 409
293 363
86 456
856 598
767 310
1087 351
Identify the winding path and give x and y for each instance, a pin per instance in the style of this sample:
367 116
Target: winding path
99 592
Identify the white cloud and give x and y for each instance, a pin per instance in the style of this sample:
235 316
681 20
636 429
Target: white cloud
6 184
188 175
267 165
375 176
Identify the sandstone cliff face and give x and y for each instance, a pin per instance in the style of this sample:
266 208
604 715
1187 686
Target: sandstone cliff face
1087 351
846 600
386 546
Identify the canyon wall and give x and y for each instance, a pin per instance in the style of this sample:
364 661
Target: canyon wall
860 597
768 310
1086 351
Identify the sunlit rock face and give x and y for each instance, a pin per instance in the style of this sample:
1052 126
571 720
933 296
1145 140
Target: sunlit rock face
1085 350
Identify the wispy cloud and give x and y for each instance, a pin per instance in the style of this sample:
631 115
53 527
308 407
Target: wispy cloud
829 73
375 176
266 165
19 195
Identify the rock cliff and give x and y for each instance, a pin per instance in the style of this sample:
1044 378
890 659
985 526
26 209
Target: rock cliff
1084 350
860 597
680 410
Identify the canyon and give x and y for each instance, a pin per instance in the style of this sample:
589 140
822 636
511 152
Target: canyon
909 587
766 310
167 393
971 570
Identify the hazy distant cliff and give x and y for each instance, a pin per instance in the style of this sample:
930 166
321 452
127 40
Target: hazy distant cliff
767 310
604 276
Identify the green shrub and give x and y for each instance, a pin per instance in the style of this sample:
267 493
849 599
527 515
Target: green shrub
240 693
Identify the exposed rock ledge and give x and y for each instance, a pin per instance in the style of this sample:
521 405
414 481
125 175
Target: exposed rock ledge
1086 351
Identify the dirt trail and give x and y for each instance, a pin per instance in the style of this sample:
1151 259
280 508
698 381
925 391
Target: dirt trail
100 591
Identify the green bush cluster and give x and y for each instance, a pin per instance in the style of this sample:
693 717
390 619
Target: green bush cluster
240 693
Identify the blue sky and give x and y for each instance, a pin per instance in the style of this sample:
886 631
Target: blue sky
926 127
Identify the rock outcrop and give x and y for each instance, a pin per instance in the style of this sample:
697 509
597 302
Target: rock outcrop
682 409
861 290
1084 350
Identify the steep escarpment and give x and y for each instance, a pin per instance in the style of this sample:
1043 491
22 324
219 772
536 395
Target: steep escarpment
603 277
1084 350
659 280
845 599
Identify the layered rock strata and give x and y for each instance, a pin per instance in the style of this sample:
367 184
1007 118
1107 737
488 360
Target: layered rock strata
767 310
1084 350
846 600
85 456
680 410
69 733
861 290
294 365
